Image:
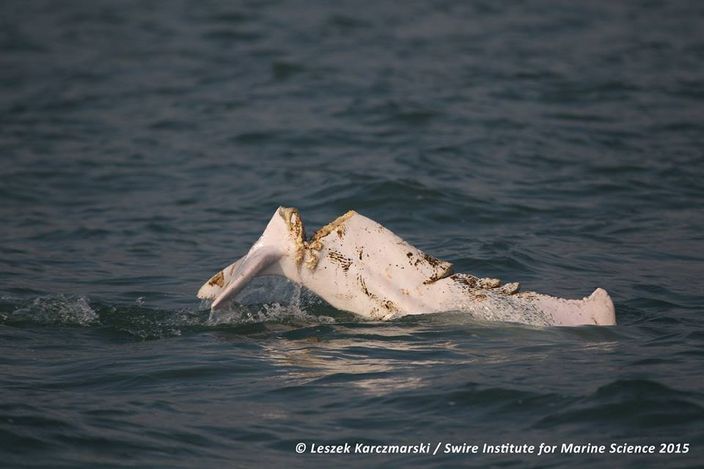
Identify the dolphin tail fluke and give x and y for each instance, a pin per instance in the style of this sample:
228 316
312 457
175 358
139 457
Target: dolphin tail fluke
232 279
217 283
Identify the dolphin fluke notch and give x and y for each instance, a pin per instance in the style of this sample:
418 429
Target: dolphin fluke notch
357 265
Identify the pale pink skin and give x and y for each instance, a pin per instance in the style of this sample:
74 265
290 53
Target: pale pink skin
366 269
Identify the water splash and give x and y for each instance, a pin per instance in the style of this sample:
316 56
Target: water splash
295 310
145 322
61 309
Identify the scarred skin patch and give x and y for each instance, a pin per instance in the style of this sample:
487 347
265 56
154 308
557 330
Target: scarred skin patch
363 286
343 261
439 274
489 282
388 307
431 260
217 279
511 288
308 250
336 225
295 226
475 283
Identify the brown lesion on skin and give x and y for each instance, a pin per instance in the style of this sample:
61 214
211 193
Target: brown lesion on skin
489 283
387 306
433 261
511 288
337 225
364 288
344 261
309 250
217 279
440 274
312 250
442 269
475 283
479 296
293 220
470 281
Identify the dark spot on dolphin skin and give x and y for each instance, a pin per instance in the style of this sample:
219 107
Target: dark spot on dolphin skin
386 304
475 284
337 225
376 314
441 269
510 288
431 260
363 286
365 290
469 281
361 251
488 283
440 274
217 279
344 261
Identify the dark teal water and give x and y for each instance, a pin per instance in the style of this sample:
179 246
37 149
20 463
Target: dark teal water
146 144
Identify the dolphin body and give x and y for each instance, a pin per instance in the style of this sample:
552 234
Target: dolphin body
357 265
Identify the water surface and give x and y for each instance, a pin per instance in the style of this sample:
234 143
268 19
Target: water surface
146 144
